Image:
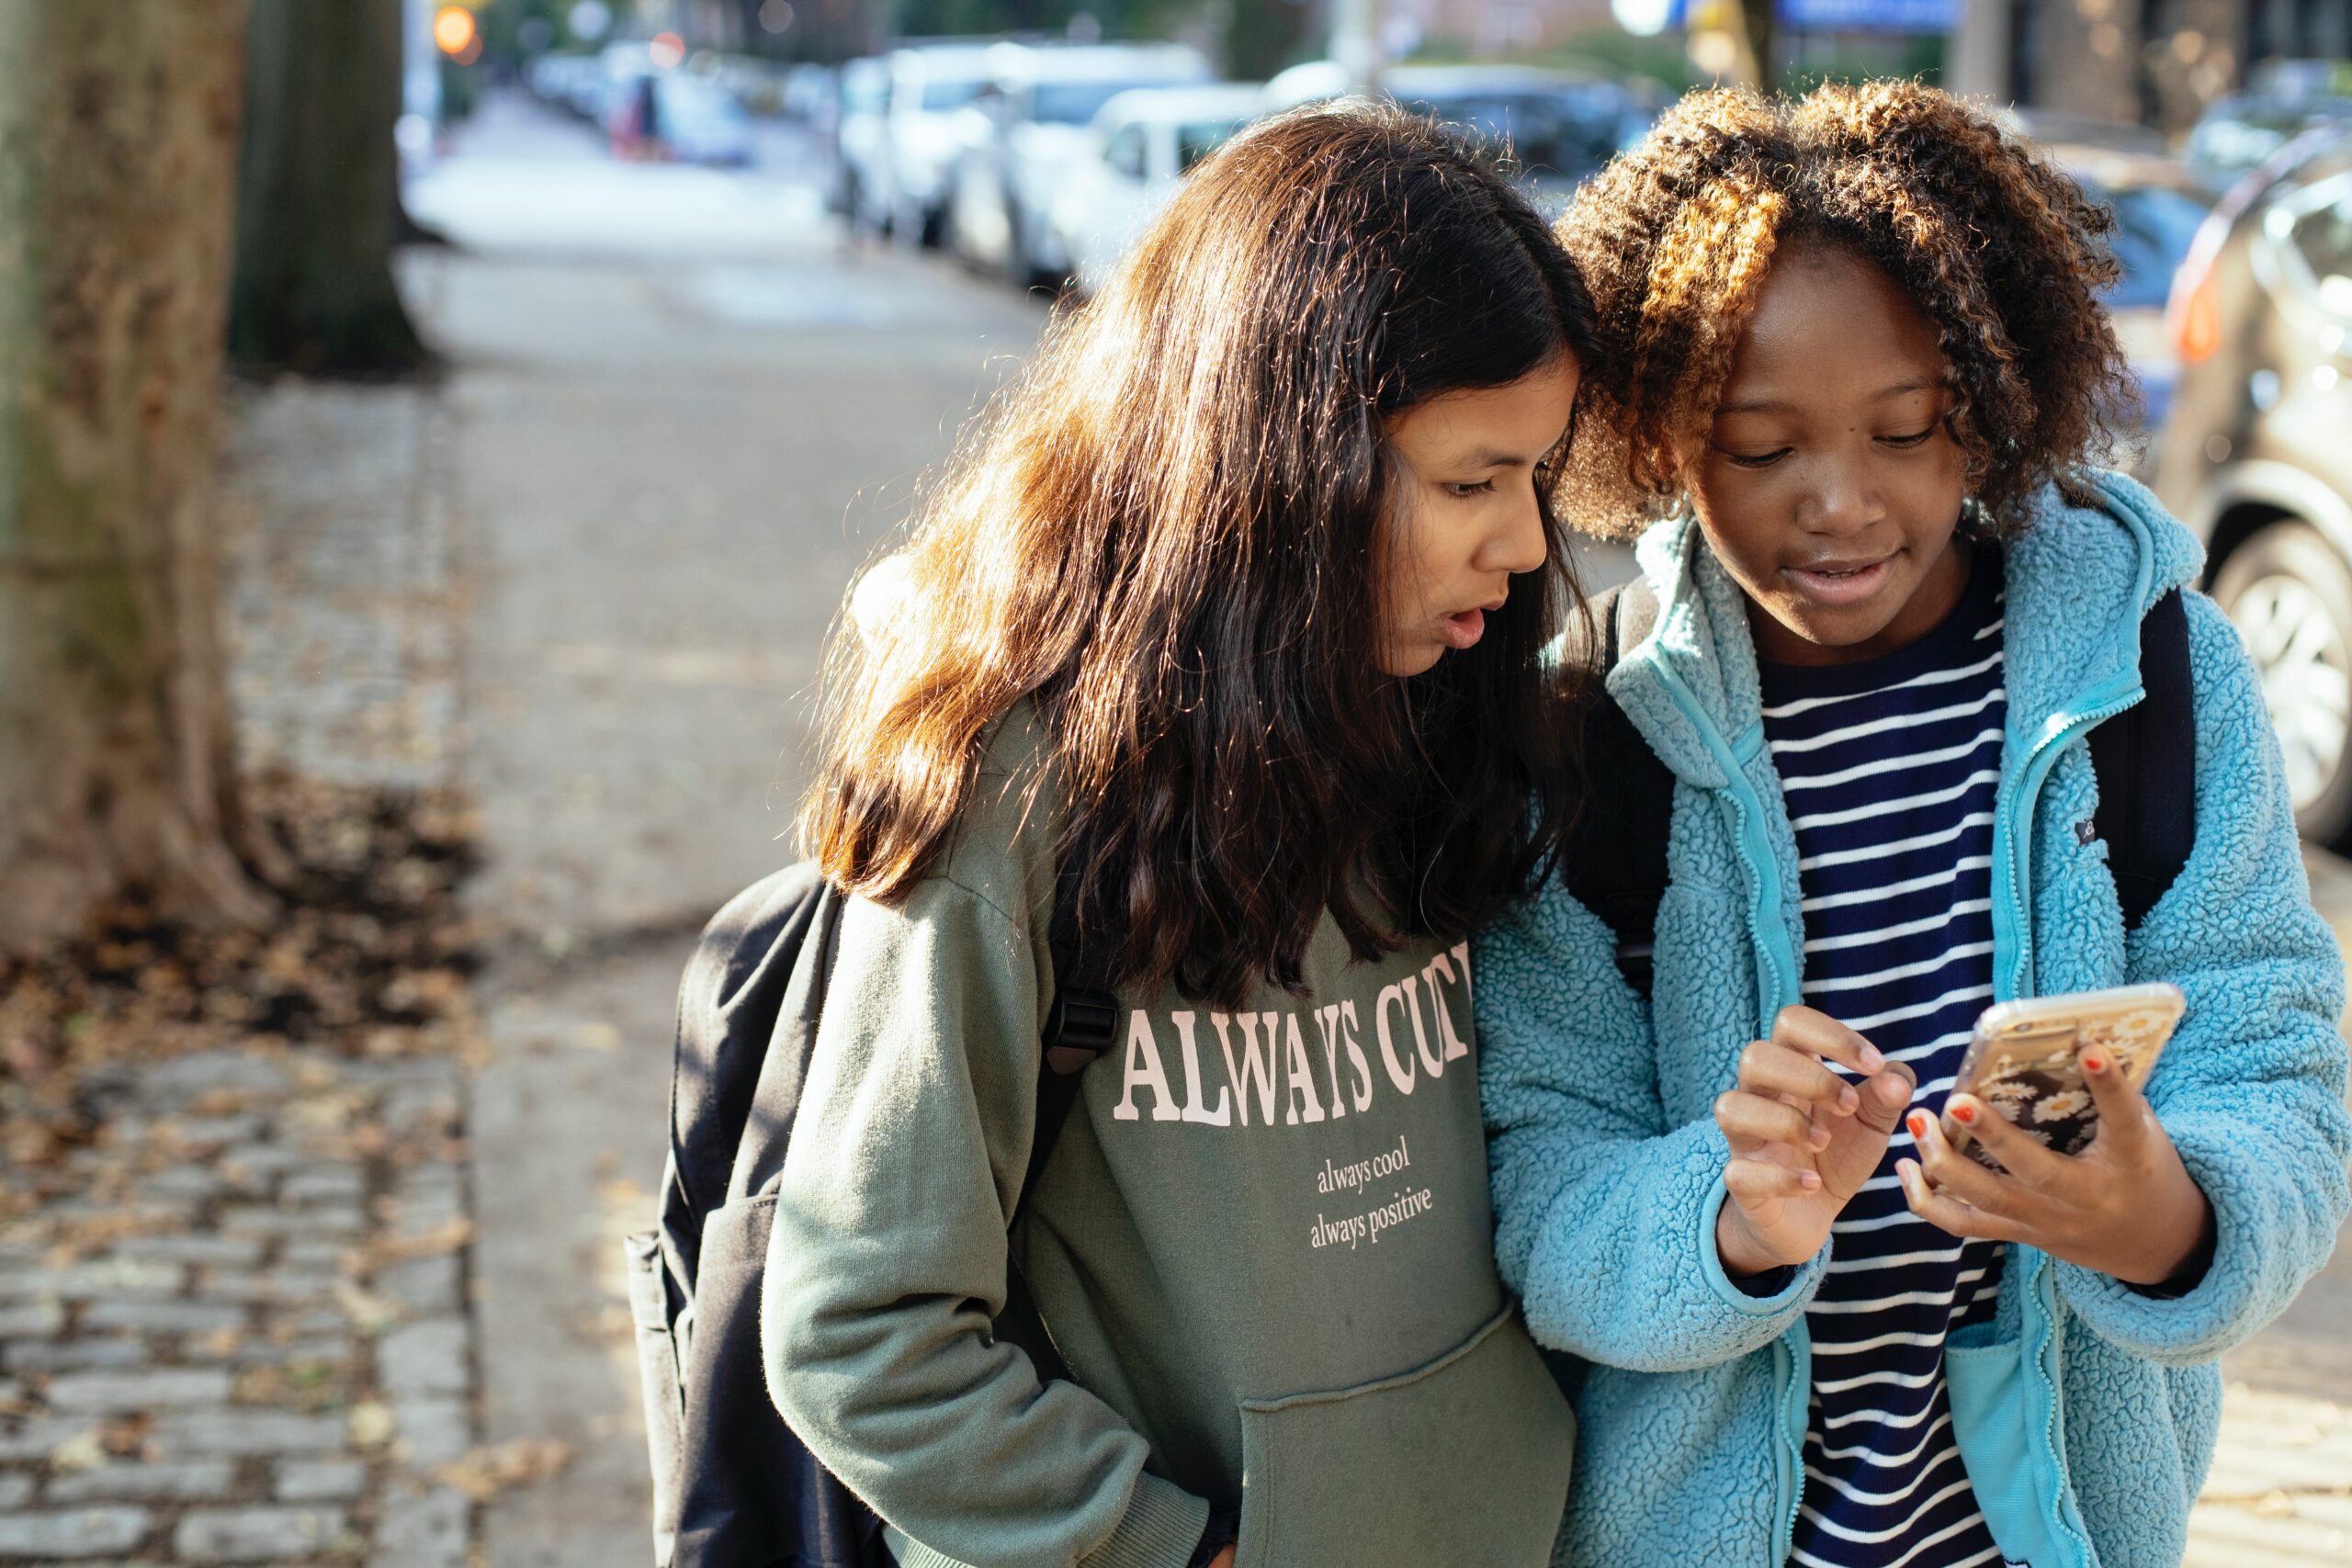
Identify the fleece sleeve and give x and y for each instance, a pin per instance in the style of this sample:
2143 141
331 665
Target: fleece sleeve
887 1263
2251 1090
1605 1216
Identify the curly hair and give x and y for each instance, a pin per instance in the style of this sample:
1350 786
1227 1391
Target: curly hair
2002 253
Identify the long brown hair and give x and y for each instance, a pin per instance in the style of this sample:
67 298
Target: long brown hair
1170 534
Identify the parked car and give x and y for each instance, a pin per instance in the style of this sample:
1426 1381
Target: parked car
701 122
1030 134
1561 126
2254 455
1142 144
931 87
2282 99
2158 207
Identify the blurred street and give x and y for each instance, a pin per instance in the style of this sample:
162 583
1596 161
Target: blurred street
686 413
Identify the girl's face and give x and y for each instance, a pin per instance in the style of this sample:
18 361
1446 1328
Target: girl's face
1465 513
1830 486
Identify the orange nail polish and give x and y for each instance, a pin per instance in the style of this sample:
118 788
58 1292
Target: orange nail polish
1918 1125
1963 1114
2095 1061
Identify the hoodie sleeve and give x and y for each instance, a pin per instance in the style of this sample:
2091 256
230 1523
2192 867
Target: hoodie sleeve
887 1262
2252 1089
1605 1216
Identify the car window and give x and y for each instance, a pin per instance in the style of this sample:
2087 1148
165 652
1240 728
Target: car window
1074 102
1126 152
940 95
1198 139
2324 238
2310 225
2154 226
863 92
1567 133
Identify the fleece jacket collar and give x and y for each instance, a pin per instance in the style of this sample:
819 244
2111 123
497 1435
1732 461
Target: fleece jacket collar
2078 581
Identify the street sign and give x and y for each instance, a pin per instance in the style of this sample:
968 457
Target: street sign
1871 15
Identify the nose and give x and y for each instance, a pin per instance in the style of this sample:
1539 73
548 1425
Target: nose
1516 544
1842 499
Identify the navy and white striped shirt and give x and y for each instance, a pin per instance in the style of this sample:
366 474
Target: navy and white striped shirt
1889 767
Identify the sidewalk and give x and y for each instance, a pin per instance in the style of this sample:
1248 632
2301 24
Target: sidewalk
233 1321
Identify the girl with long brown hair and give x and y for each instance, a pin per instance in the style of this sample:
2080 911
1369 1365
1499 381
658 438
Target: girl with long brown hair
1233 617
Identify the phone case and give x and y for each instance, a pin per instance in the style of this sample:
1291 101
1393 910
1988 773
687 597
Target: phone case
2020 1060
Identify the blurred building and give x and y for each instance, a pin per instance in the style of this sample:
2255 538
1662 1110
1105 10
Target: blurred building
1487 28
2159 62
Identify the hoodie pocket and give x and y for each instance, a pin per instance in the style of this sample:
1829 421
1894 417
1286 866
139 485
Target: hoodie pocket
1462 1460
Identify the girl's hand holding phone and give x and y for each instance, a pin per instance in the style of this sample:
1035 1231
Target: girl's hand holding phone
1803 1139
2125 1206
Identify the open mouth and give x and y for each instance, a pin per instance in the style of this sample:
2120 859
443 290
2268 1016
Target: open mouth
1839 582
1463 628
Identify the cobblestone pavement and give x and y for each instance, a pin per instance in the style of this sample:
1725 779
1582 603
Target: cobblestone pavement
343 613
239 1332
237 1328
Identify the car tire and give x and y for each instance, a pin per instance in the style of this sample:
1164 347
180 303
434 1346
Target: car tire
2289 591
1018 272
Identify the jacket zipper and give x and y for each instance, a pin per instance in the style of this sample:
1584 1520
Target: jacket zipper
1772 975
2039 1316
2035 770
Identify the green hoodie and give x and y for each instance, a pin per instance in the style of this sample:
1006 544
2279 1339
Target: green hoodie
1262 1248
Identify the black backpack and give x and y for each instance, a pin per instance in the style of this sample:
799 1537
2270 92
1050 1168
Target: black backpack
1614 862
733 1487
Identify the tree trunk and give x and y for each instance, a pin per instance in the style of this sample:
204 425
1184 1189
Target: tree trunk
118 150
1754 34
318 190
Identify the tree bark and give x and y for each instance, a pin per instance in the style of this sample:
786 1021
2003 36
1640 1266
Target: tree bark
118 149
1754 34
318 191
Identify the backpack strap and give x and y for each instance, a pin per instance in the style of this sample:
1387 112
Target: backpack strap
1081 1021
1614 862
2146 759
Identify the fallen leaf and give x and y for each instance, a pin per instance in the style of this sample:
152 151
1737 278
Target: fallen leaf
81 1452
369 1312
483 1474
372 1424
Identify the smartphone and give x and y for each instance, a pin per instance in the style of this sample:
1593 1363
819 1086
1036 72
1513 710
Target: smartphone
2021 1060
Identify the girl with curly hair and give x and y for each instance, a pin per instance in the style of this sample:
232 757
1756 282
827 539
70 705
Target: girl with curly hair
1853 374
1232 622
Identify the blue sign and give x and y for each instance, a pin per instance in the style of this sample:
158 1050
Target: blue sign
1871 15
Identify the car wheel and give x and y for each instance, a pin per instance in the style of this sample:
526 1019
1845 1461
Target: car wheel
2289 595
1017 270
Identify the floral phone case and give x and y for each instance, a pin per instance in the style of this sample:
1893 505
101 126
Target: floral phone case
2021 1060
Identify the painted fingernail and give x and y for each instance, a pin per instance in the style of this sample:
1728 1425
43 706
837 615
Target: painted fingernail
1917 1123
2095 1061
1964 1113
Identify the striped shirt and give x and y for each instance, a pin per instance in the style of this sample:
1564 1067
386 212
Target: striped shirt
1889 767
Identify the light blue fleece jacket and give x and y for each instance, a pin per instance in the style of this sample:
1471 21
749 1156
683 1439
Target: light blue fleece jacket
2086 1412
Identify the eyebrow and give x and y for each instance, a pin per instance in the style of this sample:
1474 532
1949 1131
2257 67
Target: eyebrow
1493 457
1767 405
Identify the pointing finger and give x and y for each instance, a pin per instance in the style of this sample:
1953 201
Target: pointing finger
1815 1032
